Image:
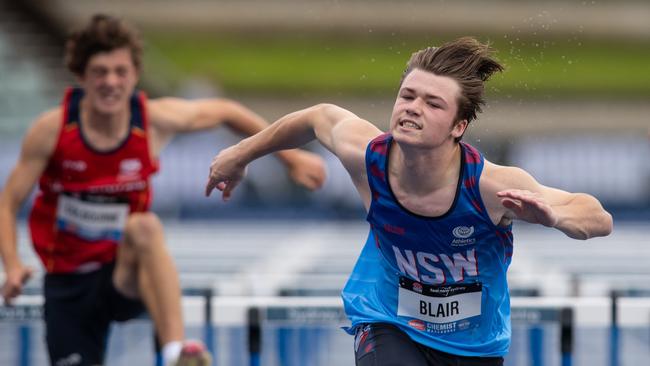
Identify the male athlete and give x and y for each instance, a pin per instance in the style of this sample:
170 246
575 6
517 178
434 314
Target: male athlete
103 251
430 285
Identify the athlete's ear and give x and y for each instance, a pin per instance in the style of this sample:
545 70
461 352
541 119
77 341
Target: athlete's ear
459 128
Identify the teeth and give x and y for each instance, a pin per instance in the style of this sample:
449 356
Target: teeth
410 124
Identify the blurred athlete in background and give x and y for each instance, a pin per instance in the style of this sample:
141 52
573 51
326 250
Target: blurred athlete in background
102 249
430 286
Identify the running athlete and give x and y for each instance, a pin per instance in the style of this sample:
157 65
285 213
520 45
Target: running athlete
429 287
93 156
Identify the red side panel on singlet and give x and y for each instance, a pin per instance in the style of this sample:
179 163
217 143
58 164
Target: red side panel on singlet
85 195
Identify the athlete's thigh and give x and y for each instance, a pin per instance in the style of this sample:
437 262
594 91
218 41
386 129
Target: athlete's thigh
379 344
75 328
438 358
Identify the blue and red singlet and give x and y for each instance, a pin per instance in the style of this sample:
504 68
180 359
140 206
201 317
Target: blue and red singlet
85 195
442 280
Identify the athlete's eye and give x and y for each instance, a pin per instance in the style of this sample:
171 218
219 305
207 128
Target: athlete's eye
121 72
98 71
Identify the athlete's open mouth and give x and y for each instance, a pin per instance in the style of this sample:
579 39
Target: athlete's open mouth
409 124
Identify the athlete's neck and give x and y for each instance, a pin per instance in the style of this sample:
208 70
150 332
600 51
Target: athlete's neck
420 172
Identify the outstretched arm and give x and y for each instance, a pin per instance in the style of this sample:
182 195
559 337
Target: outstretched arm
170 116
37 147
339 130
578 215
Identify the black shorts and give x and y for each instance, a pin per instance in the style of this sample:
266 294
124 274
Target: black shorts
381 344
78 311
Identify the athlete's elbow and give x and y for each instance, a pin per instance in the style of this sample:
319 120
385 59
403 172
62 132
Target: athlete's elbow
600 225
606 224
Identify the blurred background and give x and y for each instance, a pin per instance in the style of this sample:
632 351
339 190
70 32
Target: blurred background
572 108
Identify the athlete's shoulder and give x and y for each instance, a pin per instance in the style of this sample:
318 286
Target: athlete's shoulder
44 132
497 178
505 175
165 109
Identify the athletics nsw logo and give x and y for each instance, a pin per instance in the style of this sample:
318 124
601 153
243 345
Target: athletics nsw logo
462 234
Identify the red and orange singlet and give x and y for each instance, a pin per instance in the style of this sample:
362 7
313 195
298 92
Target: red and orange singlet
85 195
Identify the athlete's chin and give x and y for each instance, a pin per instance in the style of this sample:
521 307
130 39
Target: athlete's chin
407 137
109 108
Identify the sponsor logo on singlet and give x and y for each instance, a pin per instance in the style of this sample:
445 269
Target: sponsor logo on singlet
76 165
417 287
417 324
130 167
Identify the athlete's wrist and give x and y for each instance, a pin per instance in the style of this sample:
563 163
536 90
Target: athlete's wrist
12 264
244 152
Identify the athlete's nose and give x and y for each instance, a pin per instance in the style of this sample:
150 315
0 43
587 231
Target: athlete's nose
415 107
112 78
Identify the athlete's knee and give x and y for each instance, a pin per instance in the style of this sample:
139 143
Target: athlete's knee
143 230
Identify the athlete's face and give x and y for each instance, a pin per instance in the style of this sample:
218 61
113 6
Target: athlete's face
109 80
425 110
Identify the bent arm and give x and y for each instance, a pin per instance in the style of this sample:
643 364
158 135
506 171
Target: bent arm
581 216
36 150
339 130
323 122
35 153
170 116
521 197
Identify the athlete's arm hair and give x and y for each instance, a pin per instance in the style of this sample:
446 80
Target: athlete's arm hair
37 147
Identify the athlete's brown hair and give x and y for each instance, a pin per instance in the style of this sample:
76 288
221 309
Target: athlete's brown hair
103 33
465 60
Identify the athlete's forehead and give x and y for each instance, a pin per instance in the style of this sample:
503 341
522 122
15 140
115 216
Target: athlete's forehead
117 57
431 86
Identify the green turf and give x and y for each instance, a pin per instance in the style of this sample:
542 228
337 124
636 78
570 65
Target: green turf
359 65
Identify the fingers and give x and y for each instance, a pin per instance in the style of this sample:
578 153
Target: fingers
214 181
10 291
317 182
310 176
311 182
27 274
223 186
227 190
518 194
511 204
13 285
210 186
522 196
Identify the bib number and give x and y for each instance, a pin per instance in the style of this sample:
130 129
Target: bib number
92 219
443 309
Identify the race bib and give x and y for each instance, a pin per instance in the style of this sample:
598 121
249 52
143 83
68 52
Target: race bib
440 309
92 218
